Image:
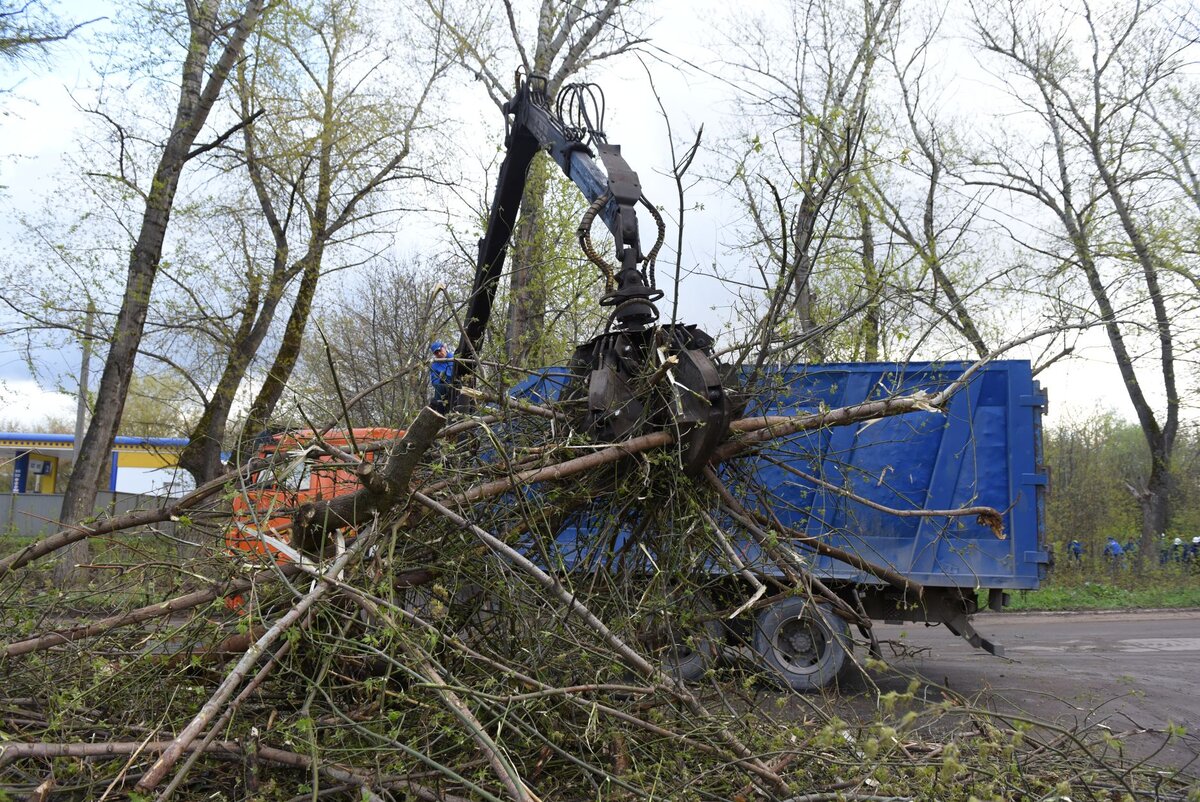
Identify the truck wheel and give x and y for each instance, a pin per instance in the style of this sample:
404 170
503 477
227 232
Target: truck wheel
801 644
683 649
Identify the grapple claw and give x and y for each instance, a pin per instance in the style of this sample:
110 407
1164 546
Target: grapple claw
664 377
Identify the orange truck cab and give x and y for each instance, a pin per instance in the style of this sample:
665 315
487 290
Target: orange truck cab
300 472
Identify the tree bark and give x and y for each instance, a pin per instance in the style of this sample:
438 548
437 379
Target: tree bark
325 220
1086 113
870 330
381 490
527 283
201 457
269 395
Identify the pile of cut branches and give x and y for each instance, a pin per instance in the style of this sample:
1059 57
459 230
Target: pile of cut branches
502 611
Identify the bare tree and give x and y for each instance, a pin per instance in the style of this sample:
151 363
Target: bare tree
936 236
382 339
1088 82
214 45
319 162
808 76
1175 113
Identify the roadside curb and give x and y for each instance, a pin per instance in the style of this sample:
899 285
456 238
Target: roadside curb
1084 611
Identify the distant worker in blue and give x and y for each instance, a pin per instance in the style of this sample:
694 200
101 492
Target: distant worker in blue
1075 549
441 376
1114 553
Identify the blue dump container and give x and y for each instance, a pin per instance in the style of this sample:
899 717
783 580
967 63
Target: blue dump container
983 450
867 488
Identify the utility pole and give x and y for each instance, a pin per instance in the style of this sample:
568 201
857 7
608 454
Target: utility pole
82 404
65 571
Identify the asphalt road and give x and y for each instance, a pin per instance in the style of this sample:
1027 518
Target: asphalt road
1132 672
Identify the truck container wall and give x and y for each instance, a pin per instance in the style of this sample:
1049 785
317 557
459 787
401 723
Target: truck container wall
984 449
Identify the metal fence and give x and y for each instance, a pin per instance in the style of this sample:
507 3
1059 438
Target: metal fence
32 514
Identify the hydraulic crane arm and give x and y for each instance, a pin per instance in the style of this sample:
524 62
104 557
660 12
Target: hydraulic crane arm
614 195
636 375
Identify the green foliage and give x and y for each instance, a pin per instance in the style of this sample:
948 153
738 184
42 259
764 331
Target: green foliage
1094 462
28 30
1089 460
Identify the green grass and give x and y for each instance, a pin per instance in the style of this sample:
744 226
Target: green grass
1129 592
129 568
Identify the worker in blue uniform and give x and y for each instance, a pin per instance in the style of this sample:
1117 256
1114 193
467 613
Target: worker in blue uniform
441 376
1075 549
1115 554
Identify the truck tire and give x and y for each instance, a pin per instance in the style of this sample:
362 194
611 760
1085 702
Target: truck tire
801 644
687 661
683 651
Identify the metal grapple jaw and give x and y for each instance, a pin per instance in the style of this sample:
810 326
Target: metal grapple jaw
660 378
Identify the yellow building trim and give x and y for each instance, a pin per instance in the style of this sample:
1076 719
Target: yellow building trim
36 445
41 445
50 480
146 459
128 449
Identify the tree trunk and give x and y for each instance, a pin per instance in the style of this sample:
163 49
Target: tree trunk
310 276
527 296
201 457
196 99
933 259
797 276
1155 503
872 318
1102 124
289 352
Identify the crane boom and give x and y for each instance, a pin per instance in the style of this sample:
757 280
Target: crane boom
533 127
621 371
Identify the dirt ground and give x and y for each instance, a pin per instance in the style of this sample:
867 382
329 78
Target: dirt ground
1132 672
